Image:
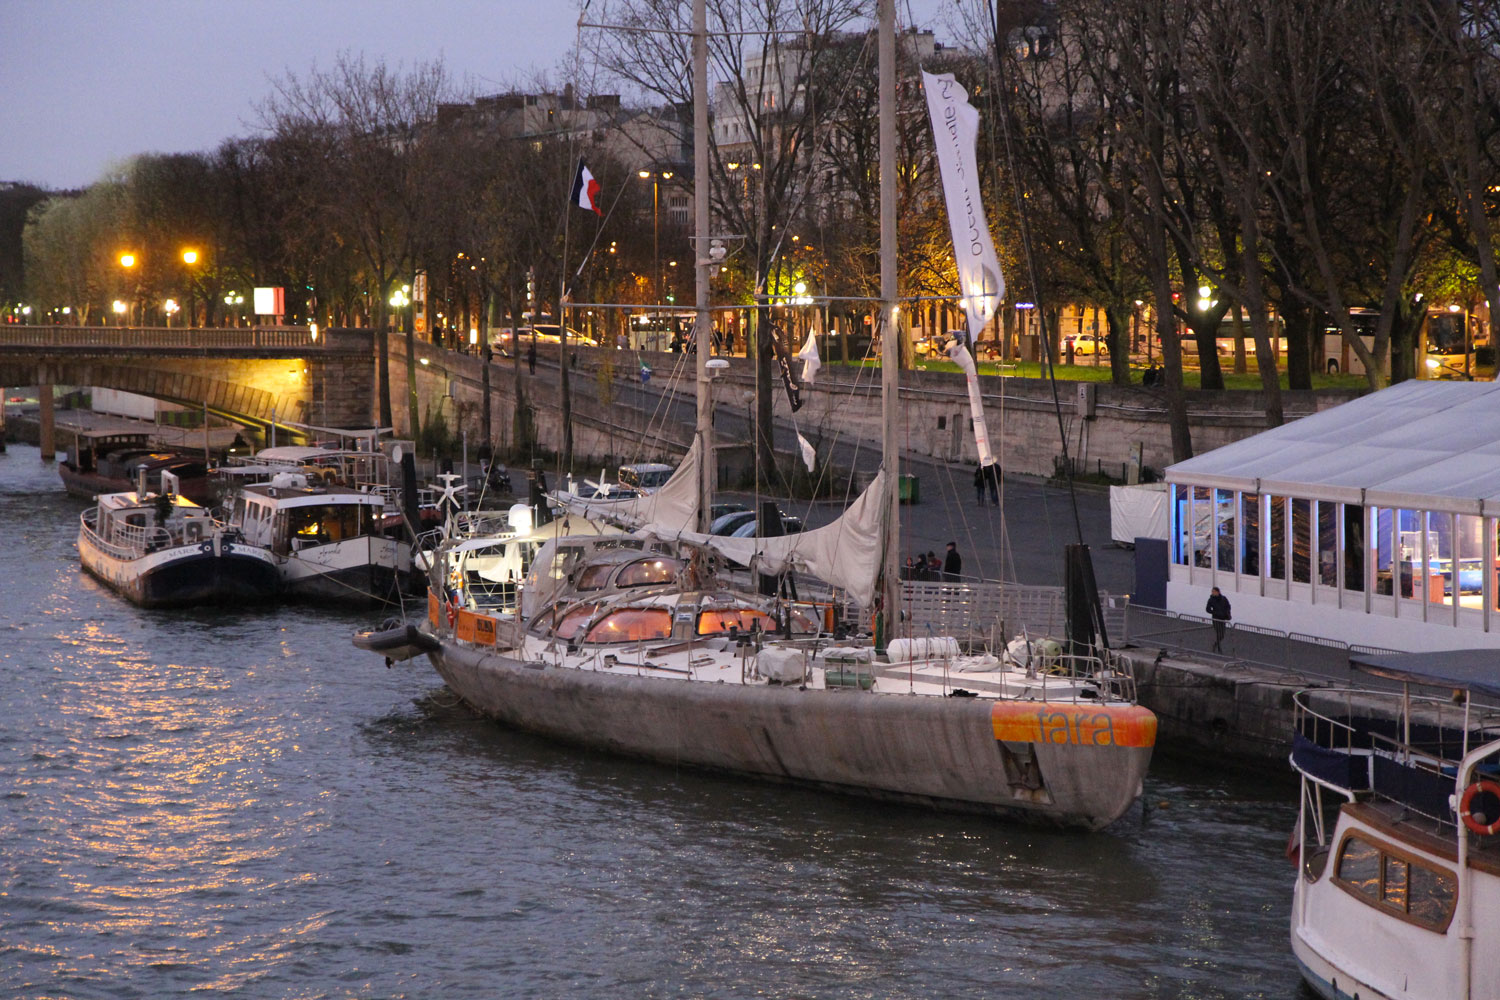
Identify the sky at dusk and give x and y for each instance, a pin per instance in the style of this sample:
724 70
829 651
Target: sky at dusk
85 84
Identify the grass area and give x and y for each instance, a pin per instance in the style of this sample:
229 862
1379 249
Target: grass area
1100 373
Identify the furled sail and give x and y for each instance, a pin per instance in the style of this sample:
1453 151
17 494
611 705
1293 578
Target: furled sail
961 357
675 504
955 127
845 554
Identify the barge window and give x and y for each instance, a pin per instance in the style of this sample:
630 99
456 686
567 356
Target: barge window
632 625
1395 883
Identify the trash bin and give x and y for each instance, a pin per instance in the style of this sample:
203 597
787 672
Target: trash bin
910 489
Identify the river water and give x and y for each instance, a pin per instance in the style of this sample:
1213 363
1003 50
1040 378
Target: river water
242 804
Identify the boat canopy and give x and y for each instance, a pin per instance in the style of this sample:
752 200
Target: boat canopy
1424 445
1473 670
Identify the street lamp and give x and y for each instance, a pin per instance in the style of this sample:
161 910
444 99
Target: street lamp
127 261
656 177
120 308
189 258
171 308
234 299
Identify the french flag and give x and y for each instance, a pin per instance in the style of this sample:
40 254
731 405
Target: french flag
586 190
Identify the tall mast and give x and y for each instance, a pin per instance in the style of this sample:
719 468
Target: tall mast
703 263
890 355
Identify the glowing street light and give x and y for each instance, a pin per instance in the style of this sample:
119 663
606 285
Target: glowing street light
171 308
119 308
190 256
127 260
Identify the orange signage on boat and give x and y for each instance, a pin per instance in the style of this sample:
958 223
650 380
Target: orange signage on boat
1073 723
479 629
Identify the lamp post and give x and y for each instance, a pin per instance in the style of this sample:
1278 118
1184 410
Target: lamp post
189 258
656 177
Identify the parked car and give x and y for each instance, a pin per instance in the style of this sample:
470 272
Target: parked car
546 334
647 476
1085 344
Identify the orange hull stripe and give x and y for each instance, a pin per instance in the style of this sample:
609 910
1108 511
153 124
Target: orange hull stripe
1078 724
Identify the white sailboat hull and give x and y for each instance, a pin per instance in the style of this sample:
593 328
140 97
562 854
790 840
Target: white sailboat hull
936 752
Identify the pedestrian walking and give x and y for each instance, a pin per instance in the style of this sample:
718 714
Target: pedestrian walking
953 563
979 479
531 356
992 475
1218 609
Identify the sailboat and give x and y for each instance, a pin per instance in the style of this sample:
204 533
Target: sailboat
640 650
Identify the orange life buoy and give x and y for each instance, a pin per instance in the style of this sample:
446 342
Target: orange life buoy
1466 804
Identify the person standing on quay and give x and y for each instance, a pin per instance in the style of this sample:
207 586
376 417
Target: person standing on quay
953 563
979 477
1218 609
531 356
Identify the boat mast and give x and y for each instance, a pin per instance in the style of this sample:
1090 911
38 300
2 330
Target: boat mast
703 264
890 355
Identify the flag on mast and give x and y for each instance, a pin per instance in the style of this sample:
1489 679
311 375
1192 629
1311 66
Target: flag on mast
955 127
586 190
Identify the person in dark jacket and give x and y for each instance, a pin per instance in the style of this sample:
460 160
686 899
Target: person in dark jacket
979 486
953 563
1218 609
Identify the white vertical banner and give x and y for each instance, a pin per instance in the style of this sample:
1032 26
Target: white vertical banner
960 356
955 129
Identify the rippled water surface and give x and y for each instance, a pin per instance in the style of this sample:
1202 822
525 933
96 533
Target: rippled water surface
242 804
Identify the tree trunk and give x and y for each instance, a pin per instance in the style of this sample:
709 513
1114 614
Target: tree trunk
1118 333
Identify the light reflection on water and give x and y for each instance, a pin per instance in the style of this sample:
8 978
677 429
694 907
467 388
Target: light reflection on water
243 804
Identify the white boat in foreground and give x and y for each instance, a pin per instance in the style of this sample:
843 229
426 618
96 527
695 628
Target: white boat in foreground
163 550
1398 894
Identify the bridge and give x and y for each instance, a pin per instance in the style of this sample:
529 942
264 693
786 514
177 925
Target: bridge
254 376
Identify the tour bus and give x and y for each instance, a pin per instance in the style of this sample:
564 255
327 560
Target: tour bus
1447 349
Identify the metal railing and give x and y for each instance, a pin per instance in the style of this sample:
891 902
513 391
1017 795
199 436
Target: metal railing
975 609
129 338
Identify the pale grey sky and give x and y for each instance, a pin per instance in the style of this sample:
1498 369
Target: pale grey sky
88 83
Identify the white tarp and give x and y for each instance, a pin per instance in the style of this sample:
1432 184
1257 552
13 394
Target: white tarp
955 128
1137 512
1420 444
845 554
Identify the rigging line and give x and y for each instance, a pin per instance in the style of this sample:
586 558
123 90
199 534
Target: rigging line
1026 249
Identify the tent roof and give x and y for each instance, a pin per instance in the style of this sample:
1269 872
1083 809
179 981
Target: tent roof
1424 445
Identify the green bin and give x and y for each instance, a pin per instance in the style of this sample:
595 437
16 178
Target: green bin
910 489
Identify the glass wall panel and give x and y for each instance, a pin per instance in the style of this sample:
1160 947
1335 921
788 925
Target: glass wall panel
1442 567
1250 534
1203 525
1276 539
1224 530
1301 541
1380 545
1328 543
1468 546
1409 538
1181 519
1354 547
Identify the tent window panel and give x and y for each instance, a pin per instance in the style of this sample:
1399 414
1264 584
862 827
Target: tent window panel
1468 549
1203 525
1409 555
1442 568
1354 547
1181 517
1301 541
1276 539
1380 547
1224 530
1250 534
1328 543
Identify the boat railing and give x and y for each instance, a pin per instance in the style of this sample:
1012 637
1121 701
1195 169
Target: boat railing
1404 749
127 541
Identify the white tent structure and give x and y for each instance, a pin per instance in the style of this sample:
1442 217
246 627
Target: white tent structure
1373 523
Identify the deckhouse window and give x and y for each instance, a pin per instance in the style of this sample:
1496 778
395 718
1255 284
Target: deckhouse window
576 618
645 572
1396 884
632 625
743 619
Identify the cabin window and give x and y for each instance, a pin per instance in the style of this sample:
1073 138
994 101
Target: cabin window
632 625
1250 534
743 619
1395 883
594 577
644 572
574 619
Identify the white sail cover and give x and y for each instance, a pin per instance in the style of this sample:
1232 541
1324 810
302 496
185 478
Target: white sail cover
675 504
955 128
845 554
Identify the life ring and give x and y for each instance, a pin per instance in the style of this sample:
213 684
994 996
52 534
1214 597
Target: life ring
1465 807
